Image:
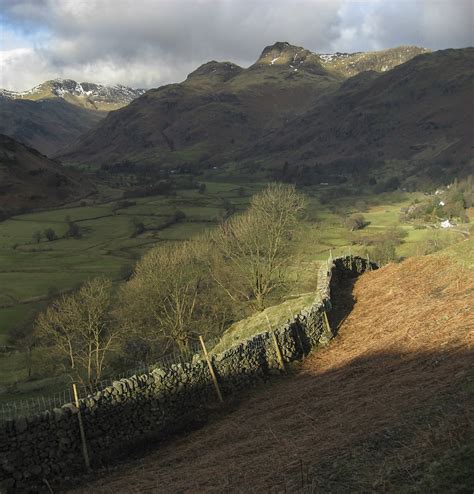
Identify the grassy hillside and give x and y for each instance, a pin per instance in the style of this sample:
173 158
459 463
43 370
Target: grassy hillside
387 407
461 252
29 180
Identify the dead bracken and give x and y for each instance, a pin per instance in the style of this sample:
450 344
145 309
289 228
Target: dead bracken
380 409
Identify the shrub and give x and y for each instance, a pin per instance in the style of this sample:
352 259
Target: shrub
179 215
137 227
50 234
356 222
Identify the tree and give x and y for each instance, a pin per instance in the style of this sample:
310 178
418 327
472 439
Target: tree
50 234
74 230
252 249
79 328
24 339
384 252
164 297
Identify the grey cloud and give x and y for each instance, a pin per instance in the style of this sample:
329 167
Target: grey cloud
151 42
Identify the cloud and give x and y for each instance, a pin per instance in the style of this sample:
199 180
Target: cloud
147 43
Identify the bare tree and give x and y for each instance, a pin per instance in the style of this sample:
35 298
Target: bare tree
163 299
252 250
78 326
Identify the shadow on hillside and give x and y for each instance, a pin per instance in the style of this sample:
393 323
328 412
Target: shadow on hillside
386 422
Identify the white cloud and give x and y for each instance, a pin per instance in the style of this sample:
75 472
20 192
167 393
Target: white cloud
24 61
150 42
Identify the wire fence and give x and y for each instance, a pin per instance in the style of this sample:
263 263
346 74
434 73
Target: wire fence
34 405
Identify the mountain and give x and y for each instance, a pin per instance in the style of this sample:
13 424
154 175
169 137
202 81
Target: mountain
218 108
54 114
47 125
29 180
83 94
415 119
220 105
351 64
391 114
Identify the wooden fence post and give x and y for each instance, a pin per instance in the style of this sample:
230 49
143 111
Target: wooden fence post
276 345
85 453
326 321
278 352
211 370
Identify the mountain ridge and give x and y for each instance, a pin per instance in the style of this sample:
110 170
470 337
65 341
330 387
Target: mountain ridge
415 115
101 97
219 105
55 113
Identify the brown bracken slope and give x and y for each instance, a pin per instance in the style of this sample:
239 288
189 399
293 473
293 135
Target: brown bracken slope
387 407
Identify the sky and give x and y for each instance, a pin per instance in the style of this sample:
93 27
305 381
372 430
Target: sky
148 43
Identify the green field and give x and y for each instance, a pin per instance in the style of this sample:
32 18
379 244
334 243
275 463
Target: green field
32 273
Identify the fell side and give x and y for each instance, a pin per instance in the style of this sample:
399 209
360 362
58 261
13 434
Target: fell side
386 407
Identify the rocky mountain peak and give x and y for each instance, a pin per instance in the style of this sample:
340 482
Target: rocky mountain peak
214 72
282 53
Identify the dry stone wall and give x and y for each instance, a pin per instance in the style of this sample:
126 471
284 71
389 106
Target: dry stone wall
147 408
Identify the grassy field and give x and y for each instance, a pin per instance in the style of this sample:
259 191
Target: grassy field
32 273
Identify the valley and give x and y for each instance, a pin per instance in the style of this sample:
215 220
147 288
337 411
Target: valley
33 273
237 264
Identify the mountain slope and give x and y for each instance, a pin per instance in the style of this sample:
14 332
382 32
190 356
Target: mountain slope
220 107
47 125
29 180
83 94
386 407
350 64
414 119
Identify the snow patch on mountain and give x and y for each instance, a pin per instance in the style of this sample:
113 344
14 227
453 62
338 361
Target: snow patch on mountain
62 88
